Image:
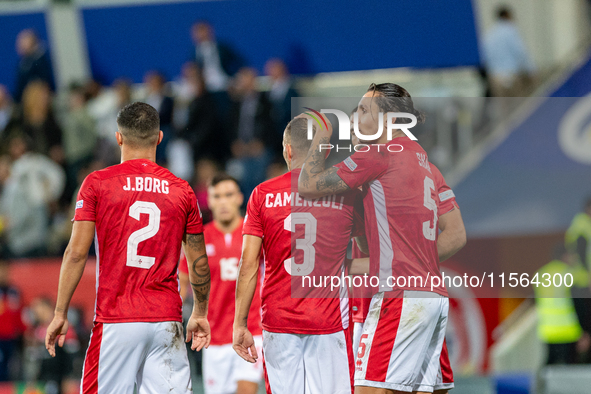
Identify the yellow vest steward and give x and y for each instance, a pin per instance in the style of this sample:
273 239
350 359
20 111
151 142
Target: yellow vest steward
579 227
557 319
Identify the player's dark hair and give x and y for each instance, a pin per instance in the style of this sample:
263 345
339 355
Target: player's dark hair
222 177
139 124
394 98
504 12
296 134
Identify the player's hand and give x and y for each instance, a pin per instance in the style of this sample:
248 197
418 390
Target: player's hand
198 332
243 344
56 331
324 128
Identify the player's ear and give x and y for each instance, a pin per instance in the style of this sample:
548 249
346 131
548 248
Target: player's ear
119 138
160 136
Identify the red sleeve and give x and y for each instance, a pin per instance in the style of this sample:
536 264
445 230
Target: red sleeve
183 267
358 218
361 168
194 220
447 199
87 199
253 224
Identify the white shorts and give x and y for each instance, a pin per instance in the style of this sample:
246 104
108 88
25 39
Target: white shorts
357 331
223 368
150 355
311 364
400 347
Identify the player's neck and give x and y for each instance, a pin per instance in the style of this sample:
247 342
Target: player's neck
228 227
383 140
295 164
134 154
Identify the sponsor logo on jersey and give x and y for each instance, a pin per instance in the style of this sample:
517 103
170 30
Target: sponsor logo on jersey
79 204
350 163
446 195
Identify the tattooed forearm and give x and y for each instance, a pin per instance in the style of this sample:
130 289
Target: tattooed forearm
316 181
197 265
195 241
199 275
329 181
201 283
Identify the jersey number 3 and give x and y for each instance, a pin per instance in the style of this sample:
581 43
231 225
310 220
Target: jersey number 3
144 233
305 244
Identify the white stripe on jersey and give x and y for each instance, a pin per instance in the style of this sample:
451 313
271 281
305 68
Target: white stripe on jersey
344 299
96 252
386 250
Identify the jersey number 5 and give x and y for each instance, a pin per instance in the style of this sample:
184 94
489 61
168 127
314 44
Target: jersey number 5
305 244
153 212
428 232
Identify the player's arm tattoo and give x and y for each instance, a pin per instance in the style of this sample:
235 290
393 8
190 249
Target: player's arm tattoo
199 275
329 181
316 181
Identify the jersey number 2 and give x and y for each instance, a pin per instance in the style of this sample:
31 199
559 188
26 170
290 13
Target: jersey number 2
153 212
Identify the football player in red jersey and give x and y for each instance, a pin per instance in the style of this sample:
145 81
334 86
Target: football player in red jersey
450 221
223 370
306 336
400 204
138 214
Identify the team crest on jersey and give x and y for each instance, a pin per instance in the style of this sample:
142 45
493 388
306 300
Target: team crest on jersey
350 163
79 204
210 249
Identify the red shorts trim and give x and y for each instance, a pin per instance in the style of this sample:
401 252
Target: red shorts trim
89 383
379 358
447 375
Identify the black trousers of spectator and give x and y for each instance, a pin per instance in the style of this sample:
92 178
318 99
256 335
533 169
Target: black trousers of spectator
562 353
7 348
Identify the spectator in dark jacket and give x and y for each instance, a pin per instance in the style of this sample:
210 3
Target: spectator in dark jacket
280 93
158 97
254 140
7 112
34 63
11 325
37 122
218 62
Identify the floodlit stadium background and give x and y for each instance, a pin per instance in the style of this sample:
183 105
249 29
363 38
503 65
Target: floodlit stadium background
520 167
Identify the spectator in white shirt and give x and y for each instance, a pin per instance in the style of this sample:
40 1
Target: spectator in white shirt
35 183
507 61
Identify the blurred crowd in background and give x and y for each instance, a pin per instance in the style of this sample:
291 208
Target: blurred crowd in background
214 116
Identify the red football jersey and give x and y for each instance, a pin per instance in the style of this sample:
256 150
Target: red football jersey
223 255
318 231
400 203
141 213
361 297
446 198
